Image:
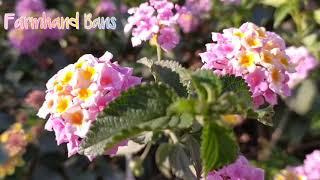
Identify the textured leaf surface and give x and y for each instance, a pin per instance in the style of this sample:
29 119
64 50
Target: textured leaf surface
171 73
141 108
162 158
180 163
238 86
218 147
207 85
262 115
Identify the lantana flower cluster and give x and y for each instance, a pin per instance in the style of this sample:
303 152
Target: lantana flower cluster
77 93
305 62
155 21
14 142
241 169
256 55
190 14
309 170
28 40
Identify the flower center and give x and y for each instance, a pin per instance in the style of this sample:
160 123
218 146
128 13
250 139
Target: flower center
253 42
67 77
84 94
247 59
63 104
76 118
88 73
275 75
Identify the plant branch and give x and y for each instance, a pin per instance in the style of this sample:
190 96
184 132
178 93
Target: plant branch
145 152
158 52
172 136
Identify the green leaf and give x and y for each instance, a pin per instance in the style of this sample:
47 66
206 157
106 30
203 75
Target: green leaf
218 147
238 86
262 115
193 147
182 106
142 108
274 3
180 163
207 85
281 13
186 120
145 61
316 15
303 98
315 124
171 73
162 158
310 39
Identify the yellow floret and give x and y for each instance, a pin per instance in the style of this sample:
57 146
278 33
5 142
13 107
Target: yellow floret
67 77
84 94
247 59
88 73
63 104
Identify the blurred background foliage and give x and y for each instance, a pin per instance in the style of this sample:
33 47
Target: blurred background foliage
296 130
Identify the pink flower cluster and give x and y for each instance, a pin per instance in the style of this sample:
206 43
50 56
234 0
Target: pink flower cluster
256 55
77 93
311 166
305 62
155 21
240 170
189 15
28 40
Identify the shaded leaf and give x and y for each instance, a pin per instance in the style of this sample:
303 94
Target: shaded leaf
238 86
218 147
181 163
262 115
207 85
193 147
171 73
162 158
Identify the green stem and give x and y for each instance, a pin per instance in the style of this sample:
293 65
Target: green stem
158 52
172 136
145 152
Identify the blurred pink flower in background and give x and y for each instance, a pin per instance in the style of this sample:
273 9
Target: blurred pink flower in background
54 34
29 7
310 169
152 20
28 40
305 62
239 170
106 7
35 98
25 41
190 14
14 140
